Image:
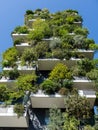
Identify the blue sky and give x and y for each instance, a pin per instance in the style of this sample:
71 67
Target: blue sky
12 14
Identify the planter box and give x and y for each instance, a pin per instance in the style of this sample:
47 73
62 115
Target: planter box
87 53
22 69
10 83
49 64
16 36
30 22
79 23
9 119
22 46
83 84
90 95
41 100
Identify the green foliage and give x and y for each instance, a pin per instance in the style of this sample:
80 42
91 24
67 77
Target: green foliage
55 43
83 67
93 74
41 48
79 42
70 123
70 19
88 127
67 83
63 91
57 53
60 72
86 64
19 109
21 29
35 35
49 86
13 74
55 120
77 106
10 56
28 12
28 56
19 41
81 31
40 30
3 93
27 82
67 41
70 12
93 46
96 127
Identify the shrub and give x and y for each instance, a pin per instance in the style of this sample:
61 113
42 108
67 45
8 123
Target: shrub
63 91
28 12
4 95
21 29
27 82
13 74
57 53
49 86
67 83
10 56
19 40
60 72
19 109
92 75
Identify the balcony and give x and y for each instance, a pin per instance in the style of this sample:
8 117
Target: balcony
8 82
9 119
41 100
87 53
16 36
83 84
89 94
22 46
48 64
29 22
79 23
22 69
26 69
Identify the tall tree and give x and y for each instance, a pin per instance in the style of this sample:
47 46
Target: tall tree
56 119
70 123
78 106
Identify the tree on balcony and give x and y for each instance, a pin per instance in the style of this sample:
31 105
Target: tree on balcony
81 31
27 83
41 49
83 67
60 72
28 56
10 57
78 107
19 109
88 127
55 119
40 30
28 12
70 123
4 95
49 86
21 30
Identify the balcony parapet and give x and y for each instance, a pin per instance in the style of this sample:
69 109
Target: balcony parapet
15 36
89 94
49 63
8 118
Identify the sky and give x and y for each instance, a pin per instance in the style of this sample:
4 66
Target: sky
12 15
